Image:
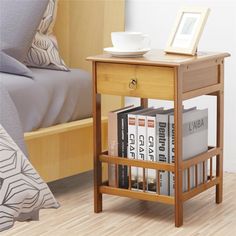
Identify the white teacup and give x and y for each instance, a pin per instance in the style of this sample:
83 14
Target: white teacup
130 40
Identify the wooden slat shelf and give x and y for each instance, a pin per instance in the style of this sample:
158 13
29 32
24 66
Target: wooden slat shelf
136 163
137 194
200 188
212 151
166 77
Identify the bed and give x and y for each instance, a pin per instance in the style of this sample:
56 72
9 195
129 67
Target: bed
58 149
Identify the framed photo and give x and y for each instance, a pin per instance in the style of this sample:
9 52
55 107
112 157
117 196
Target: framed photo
187 30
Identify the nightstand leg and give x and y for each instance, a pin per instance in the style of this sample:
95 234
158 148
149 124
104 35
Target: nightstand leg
220 136
97 138
144 102
97 152
178 102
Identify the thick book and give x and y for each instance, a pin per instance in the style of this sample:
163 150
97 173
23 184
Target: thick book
172 149
142 148
123 144
195 141
163 148
113 142
151 174
133 144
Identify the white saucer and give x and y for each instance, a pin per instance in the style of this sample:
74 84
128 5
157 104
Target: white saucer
126 53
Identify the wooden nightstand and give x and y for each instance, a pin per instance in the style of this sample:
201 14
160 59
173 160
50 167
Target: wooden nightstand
166 77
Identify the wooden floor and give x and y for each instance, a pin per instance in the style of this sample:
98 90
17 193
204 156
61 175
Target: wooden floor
122 216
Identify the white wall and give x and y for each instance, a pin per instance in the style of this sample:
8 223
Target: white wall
156 18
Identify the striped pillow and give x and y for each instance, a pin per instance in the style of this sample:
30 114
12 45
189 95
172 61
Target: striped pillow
44 52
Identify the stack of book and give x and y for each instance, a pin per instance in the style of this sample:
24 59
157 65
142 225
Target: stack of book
148 134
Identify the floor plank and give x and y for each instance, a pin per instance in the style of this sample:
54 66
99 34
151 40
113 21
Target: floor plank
123 216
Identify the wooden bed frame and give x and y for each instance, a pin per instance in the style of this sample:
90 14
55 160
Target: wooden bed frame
82 29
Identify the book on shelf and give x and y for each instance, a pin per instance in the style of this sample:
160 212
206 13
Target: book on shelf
151 124
113 142
162 121
142 126
195 141
123 144
133 143
148 134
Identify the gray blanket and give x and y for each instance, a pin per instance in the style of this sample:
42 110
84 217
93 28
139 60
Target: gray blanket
51 97
9 118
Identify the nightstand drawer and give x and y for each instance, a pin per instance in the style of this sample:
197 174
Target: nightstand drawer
135 80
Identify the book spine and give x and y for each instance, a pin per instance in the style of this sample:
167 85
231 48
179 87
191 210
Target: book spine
151 152
172 153
112 146
122 150
132 148
162 151
142 147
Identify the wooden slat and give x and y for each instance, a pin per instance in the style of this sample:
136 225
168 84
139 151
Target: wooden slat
196 175
211 168
144 179
136 163
137 194
158 182
203 172
199 189
202 157
188 179
202 91
130 174
61 128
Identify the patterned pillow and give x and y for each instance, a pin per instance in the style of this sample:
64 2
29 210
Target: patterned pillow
22 192
44 49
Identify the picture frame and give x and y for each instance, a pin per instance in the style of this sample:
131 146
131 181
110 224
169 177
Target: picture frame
187 30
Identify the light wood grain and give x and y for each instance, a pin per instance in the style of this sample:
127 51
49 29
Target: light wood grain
152 82
158 57
63 150
137 194
196 79
82 28
122 77
178 144
220 134
130 217
137 163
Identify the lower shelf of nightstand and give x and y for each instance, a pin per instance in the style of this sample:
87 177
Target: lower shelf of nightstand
136 194
147 196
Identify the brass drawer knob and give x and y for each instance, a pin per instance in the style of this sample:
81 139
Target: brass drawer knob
133 84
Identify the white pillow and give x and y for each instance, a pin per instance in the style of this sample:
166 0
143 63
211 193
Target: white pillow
22 191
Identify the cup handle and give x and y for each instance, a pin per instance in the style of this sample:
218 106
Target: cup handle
146 41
